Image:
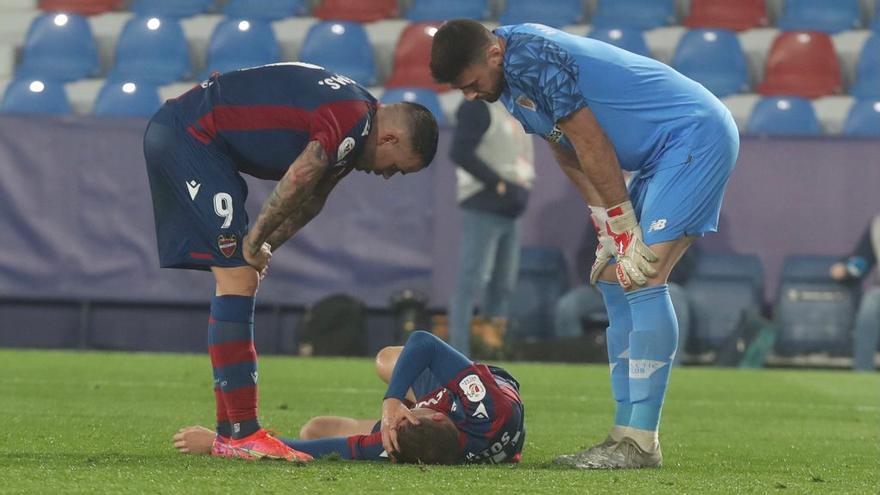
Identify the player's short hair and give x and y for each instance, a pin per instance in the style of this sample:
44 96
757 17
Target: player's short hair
457 45
423 127
429 442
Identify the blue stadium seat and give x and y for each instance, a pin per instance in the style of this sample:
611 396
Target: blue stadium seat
867 84
341 47
35 96
423 96
722 287
60 47
238 43
813 312
127 99
555 13
728 265
632 40
713 58
863 119
171 8
717 307
819 15
875 26
151 50
638 14
542 280
784 116
443 10
266 9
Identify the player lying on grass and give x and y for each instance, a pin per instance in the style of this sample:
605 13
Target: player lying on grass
440 408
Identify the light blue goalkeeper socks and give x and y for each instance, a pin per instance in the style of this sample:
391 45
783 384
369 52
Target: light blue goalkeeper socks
619 326
652 345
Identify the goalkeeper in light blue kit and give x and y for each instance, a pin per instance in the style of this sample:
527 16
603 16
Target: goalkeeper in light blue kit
604 110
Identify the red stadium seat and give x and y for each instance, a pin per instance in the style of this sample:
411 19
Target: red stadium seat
802 63
359 11
82 7
736 16
412 57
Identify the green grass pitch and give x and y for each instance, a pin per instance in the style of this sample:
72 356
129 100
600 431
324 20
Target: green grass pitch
87 422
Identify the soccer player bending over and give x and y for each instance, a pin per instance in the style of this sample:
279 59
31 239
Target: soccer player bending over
604 110
440 408
294 123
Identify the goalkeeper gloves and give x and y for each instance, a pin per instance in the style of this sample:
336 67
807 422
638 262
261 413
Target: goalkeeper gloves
606 248
633 256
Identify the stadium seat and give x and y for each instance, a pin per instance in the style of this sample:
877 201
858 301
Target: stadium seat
170 8
723 286
442 10
151 50
60 47
555 13
802 64
265 9
863 119
412 55
424 96
81 7
543 278
34 96
715 59
813 312
729 265
875 26
632 40
783 116
724 14
867 83
127 99
639 14
341 47
238 43
360 11
717 307
819 15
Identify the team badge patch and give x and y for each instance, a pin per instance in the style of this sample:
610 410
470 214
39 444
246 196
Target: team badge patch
345 148
473 388
525 102
227 243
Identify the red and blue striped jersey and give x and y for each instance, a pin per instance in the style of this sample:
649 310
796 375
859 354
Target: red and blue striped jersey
484 403
264 117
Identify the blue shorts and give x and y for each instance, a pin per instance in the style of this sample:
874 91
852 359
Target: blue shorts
198 198
684 199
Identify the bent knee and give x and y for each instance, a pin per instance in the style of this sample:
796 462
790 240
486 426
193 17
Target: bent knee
313 429
240 280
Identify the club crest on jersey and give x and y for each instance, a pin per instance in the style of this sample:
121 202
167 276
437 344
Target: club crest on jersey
227 243
345 148
526 103
473 388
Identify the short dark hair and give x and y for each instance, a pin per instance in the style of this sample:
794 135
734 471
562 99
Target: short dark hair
423 131
457 44
429 442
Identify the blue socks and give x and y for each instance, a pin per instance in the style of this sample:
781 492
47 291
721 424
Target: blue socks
652 345
619 326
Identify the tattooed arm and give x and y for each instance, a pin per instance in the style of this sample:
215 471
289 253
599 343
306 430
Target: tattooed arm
309 210
289 196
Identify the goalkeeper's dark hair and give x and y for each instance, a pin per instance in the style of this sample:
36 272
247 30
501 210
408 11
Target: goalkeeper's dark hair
429 442
457 45
423 131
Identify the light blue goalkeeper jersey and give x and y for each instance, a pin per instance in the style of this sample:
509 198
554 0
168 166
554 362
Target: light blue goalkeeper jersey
654 116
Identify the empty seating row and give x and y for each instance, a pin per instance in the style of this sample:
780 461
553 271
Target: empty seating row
819 15
60 46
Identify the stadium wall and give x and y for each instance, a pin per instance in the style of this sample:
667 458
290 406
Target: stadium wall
78 224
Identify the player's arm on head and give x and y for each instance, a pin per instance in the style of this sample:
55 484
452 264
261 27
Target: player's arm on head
422 351
305 213
291 193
